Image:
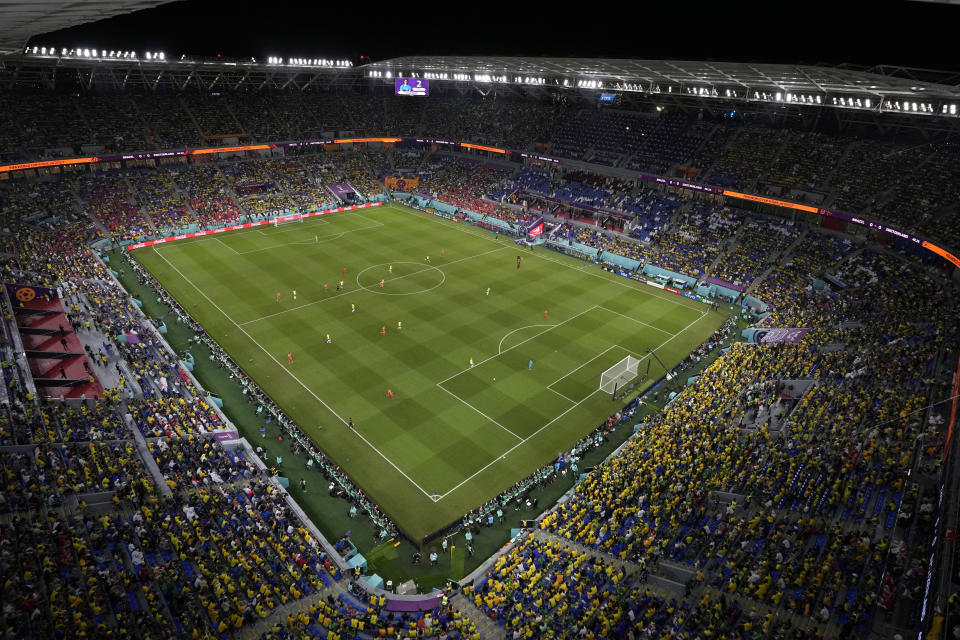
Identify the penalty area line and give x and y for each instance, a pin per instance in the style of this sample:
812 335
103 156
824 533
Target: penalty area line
290 373
522 442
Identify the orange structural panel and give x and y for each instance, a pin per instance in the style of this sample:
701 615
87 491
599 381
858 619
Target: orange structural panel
773 201
344 140
402 183
943 253
482 148
953 411
247 147
46 163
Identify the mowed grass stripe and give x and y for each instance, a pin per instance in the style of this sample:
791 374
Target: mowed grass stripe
437 441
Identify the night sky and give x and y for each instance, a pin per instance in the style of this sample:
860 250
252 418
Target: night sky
907 33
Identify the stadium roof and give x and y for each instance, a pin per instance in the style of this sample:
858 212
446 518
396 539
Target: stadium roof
20 20
717 79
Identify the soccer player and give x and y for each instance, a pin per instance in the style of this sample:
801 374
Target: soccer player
341 285
344 271
544 314
390 269
428 259
316 239
383 330
278 296
294 294
289 357
443 252
353 307
350 423
530 365
389 393
488 290
519 260
471 363
328 339
381 283
399 325
324 287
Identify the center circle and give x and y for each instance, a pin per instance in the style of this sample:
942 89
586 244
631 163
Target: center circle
407 279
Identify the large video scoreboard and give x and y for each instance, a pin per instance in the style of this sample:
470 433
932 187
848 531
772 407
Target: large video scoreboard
411 86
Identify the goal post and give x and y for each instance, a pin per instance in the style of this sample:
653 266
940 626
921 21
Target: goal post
619 374
293 217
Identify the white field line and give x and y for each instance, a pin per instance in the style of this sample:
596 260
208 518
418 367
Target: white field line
638 321
495 460
329 238
537 335
510 333
673 299
225 244
337 295
561 395
481 413
614 346
299 381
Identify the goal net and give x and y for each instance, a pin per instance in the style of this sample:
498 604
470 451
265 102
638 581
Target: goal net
294 217
619 374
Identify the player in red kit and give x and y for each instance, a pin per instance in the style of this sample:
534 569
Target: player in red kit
544 314
389 393
278 296
383 330
289 357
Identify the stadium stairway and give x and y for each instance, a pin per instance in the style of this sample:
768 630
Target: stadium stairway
279 615
728 244
487 628
777 261
193 118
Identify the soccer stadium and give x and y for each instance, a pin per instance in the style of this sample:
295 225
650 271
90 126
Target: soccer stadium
474 346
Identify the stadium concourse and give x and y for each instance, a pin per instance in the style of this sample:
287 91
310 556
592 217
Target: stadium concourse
792 490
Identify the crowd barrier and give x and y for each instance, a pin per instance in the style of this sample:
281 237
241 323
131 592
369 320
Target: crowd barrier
248 225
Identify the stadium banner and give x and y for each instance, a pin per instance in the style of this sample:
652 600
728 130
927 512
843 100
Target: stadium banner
28 293
248 225
401 183
791 335
536 227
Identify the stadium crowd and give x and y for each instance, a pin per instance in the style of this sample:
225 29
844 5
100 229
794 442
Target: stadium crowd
793 485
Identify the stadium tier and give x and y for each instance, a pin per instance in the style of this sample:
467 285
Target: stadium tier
527 368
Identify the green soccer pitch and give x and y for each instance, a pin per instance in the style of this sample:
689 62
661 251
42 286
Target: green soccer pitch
452 436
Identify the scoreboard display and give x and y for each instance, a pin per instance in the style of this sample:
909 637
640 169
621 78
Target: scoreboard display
411 87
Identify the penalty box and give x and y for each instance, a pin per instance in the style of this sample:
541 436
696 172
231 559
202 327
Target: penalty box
568 361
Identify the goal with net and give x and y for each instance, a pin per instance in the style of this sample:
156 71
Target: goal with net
294 217
619 374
